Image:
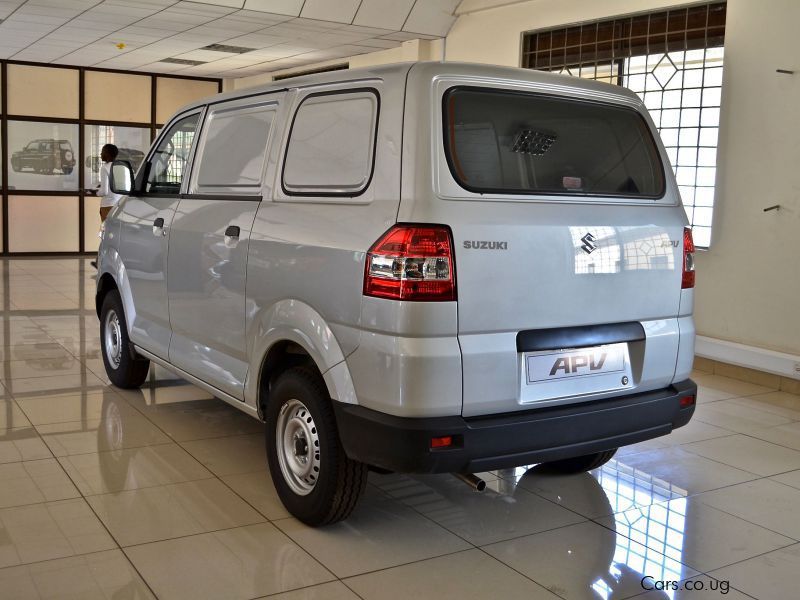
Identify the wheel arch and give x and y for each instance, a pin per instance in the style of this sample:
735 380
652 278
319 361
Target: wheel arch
292 333
105 284
113 276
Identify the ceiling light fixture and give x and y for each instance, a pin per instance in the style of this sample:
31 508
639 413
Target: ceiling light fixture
229 49
183 61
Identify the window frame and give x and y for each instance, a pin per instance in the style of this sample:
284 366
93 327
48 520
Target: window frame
144 171
265 103
312 193
657 150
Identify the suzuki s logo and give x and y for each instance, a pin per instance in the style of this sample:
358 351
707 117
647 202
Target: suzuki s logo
571 364
588 243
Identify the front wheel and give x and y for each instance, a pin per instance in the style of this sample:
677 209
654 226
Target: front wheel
313 476
580 464
124 367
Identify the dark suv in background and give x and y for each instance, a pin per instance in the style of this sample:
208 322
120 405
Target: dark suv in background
45 156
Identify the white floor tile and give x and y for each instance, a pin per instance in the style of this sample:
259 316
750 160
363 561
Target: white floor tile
464 575
772 576
747 453
102 575
380 533
157 513
234 564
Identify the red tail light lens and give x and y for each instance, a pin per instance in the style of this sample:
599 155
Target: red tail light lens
688 259
412 262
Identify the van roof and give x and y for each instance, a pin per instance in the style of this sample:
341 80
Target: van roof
426 71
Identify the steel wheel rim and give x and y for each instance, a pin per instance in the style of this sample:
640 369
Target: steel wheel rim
298 448
113 339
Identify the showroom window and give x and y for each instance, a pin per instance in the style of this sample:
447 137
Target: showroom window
673 60
54 119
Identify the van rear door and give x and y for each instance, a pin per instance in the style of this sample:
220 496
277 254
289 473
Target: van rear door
568 238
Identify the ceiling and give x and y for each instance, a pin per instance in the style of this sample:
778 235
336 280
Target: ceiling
267 35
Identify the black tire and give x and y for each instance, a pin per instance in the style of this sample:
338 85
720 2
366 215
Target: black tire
124 367
329 484
66 170
580 464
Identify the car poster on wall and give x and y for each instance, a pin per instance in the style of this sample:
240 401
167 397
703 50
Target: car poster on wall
42 156
132 143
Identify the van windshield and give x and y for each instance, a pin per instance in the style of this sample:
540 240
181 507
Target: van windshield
502 141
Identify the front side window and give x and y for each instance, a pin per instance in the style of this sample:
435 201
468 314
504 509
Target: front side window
499 141
231 155
167 165
331 144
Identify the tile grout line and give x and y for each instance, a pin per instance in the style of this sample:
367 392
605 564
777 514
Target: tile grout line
480 548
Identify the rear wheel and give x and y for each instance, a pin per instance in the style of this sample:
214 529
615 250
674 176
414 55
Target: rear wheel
124 367
313 476
580 464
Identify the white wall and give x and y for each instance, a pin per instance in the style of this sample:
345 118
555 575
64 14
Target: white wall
749 282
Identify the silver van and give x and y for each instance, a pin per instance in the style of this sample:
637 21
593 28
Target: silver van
427 268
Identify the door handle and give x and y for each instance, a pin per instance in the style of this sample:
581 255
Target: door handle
158 227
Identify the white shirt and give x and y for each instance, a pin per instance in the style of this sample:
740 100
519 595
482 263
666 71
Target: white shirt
107 197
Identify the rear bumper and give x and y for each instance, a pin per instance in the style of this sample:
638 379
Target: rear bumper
512 439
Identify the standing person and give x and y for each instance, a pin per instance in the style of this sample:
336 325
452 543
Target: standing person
108 199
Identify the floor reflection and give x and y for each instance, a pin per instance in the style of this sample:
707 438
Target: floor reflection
649 544
529 501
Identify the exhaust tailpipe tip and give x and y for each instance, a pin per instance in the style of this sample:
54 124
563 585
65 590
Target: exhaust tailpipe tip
473 481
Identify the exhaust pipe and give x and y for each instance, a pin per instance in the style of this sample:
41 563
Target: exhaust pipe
473 481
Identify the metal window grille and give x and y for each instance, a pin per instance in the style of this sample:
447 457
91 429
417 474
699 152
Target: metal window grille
673 60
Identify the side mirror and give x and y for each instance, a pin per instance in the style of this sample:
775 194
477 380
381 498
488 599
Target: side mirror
121 177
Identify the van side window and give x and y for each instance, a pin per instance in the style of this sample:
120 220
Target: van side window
332 144
233 146
167 165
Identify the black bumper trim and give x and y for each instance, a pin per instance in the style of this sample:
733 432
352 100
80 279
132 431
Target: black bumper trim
402 444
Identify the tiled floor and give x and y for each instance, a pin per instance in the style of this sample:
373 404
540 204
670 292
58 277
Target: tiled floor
165 492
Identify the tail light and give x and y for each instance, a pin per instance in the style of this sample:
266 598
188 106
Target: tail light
412 262
688 259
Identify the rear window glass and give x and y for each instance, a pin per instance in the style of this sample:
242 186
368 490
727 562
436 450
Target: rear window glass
520 143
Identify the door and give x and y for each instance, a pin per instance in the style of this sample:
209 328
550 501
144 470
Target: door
146 220
569 257
209 242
